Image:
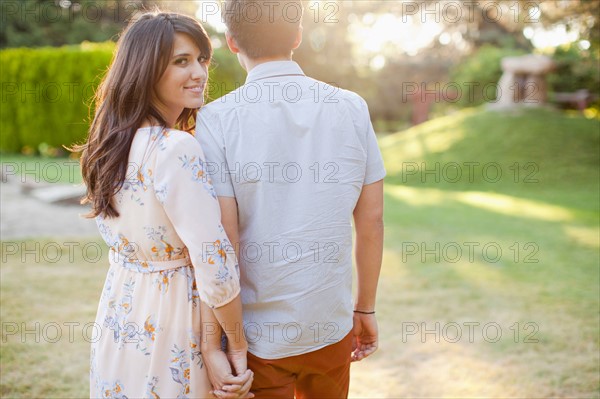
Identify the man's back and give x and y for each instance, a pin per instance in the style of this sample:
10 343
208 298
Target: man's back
298 153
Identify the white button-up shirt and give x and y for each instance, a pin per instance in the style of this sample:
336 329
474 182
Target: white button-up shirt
295 153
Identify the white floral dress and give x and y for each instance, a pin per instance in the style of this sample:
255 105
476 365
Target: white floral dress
168 252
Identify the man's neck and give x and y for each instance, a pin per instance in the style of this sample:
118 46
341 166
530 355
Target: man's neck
249 64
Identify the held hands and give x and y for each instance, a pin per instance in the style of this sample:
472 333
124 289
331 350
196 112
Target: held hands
365 340
227 370
225 384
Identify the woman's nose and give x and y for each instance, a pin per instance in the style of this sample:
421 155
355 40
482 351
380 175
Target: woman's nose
199 71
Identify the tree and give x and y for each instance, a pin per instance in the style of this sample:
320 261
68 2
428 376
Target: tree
35 23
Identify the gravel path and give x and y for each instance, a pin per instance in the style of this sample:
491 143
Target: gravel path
23 216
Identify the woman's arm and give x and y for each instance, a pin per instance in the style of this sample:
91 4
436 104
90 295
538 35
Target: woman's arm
225 318
190 203
225 384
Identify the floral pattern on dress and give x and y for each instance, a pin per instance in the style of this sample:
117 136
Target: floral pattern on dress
125 248
192 287
137 182
180 370
125 332
119 243
112 390
162 249
151 388
160 138
195 165
138 179
196 354
164 277
149 332
160 191
220 258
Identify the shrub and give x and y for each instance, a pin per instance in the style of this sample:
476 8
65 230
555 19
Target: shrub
46 94
575 70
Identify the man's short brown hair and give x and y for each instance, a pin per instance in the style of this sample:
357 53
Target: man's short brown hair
263 28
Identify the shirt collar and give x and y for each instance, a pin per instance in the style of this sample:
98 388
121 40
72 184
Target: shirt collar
273 69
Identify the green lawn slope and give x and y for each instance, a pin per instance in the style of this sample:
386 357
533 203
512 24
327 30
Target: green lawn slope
535 150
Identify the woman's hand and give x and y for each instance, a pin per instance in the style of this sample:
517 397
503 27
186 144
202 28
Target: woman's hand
225 384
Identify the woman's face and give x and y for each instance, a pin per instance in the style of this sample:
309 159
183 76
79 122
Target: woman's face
183 82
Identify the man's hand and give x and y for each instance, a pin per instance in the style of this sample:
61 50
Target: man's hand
225 384
238 358
365 339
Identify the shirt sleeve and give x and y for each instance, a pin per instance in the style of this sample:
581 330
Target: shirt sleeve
375 168
210 137
190 202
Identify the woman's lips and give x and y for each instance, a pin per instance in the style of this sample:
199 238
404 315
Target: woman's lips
195 89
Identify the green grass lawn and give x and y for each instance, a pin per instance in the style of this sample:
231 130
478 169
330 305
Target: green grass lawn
466 259
48 296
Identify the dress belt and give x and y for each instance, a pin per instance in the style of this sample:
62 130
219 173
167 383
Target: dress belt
146 266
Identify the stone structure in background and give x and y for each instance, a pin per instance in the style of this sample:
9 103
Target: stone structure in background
524 80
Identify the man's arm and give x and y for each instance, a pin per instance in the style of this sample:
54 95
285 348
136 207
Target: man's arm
229 314
229 220
368 222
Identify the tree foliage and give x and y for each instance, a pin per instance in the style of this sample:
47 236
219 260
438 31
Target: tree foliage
37 23
469 28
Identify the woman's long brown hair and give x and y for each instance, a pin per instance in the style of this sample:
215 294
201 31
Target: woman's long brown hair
124 100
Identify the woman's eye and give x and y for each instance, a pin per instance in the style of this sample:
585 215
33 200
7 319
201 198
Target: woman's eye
181 61
203 59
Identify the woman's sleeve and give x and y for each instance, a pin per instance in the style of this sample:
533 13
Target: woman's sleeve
184 189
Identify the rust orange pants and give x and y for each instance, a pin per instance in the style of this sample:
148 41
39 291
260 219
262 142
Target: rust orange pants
322 374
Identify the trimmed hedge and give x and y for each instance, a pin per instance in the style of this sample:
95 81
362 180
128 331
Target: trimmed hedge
47 93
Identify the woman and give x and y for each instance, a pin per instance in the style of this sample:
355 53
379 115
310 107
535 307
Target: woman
158 213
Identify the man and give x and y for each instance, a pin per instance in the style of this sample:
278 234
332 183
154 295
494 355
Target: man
292 161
